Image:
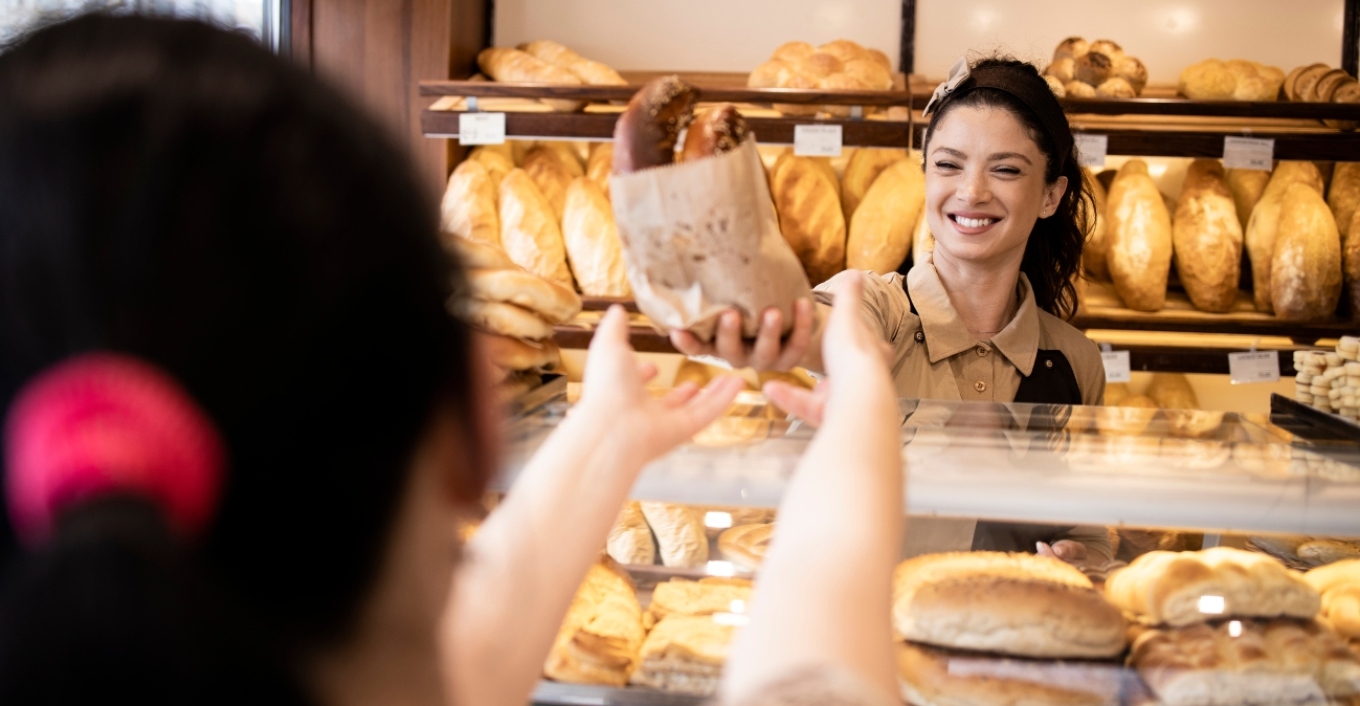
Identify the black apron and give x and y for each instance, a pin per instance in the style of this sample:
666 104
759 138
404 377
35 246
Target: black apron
1051 382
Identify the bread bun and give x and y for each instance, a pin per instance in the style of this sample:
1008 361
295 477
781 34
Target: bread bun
1071 48
1065 69
1108 48
1079 89
497 164
1056 86
1165 588
1116 88
1093 68
745 545
1209 80
1132 70
514 66
793 51
646 133
592 73
1307 80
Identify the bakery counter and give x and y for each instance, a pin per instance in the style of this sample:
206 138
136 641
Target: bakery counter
1202 471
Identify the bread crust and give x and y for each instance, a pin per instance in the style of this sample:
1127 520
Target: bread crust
1339 584
601 635
514 66
679 533
715 131
468 209
530 232
1305 268
1263 226
810 215
548 299
630 539
881 229
505 319
514 354
1207 238
935 677
594 249
745 545
646 133
1138 227
1165 588
1016 604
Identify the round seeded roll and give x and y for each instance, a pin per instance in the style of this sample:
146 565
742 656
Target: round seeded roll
1008 603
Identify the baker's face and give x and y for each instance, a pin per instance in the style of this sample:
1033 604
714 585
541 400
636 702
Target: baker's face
985 187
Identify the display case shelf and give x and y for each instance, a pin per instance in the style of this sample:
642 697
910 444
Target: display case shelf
1034 463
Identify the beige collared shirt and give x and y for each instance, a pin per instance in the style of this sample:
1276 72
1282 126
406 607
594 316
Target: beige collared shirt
935 357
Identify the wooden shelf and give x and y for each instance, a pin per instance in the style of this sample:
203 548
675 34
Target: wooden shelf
1101 308
706 94
599 125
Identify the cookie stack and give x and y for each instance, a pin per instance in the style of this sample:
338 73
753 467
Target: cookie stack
1227 626
1330 381
516 311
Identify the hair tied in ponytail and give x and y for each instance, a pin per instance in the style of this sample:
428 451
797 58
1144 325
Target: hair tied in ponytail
102 424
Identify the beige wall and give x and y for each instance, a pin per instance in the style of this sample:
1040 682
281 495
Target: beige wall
735 35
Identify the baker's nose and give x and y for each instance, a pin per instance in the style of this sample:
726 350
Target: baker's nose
973 188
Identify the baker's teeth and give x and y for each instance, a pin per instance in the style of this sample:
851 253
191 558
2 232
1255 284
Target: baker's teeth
974 222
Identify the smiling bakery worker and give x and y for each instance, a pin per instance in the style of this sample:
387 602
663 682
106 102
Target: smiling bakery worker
982 317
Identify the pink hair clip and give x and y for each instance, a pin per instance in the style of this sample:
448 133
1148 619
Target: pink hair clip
101 424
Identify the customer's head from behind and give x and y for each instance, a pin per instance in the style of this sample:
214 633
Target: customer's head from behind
176 201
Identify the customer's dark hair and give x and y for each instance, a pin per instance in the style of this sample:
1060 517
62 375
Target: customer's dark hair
1052 257
173 192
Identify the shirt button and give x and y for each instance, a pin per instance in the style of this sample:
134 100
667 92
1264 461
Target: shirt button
920 336
980 386
982 350
1048 363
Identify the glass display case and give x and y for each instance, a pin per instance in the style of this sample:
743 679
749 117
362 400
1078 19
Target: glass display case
1274 487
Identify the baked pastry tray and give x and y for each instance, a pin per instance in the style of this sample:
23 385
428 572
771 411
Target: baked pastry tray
1190 470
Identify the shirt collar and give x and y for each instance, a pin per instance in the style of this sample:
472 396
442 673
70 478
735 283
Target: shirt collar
947 336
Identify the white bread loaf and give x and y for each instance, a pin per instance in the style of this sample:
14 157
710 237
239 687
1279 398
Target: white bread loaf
881 229
1305 269
1184 588
514 66
593 246
1339 584
933 677
861 170
497 163
1207 238
1138 227
1016 604
529 230
1262 227
1246 186
468 209
630 540
599 165
1246 662
810 215
551 175
679 531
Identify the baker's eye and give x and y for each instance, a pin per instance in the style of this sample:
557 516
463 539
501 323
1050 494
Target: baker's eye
1008 171
945 165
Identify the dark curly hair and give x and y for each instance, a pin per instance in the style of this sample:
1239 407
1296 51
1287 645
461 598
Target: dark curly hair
1052 256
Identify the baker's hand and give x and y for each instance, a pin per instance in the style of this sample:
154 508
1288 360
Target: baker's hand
1070 551
856 361
613 392
769 351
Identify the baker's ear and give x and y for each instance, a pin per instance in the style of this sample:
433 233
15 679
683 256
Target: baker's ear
1053 194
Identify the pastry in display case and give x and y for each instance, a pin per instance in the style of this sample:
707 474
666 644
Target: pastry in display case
1163 622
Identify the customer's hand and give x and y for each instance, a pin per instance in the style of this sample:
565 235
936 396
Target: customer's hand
614 393
1068 550
769 351
853 355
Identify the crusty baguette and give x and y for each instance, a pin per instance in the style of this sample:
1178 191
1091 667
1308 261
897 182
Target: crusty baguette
881 229
1305 268
529 229
1207 238
861 170
592 73
469 209
1168 588
552 176
1138 227
514 66
1262 227
810 215
594 250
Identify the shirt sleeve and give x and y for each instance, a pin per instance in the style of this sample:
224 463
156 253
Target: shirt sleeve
1097 541
884 304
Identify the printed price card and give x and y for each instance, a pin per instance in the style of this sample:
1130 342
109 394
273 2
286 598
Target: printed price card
1091 149
817 140
1116 366
1255 366
481 128
1248 153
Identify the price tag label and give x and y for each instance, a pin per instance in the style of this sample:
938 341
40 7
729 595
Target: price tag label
1256 366
817 140
1248 153
1116 366
481 128
1091 149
